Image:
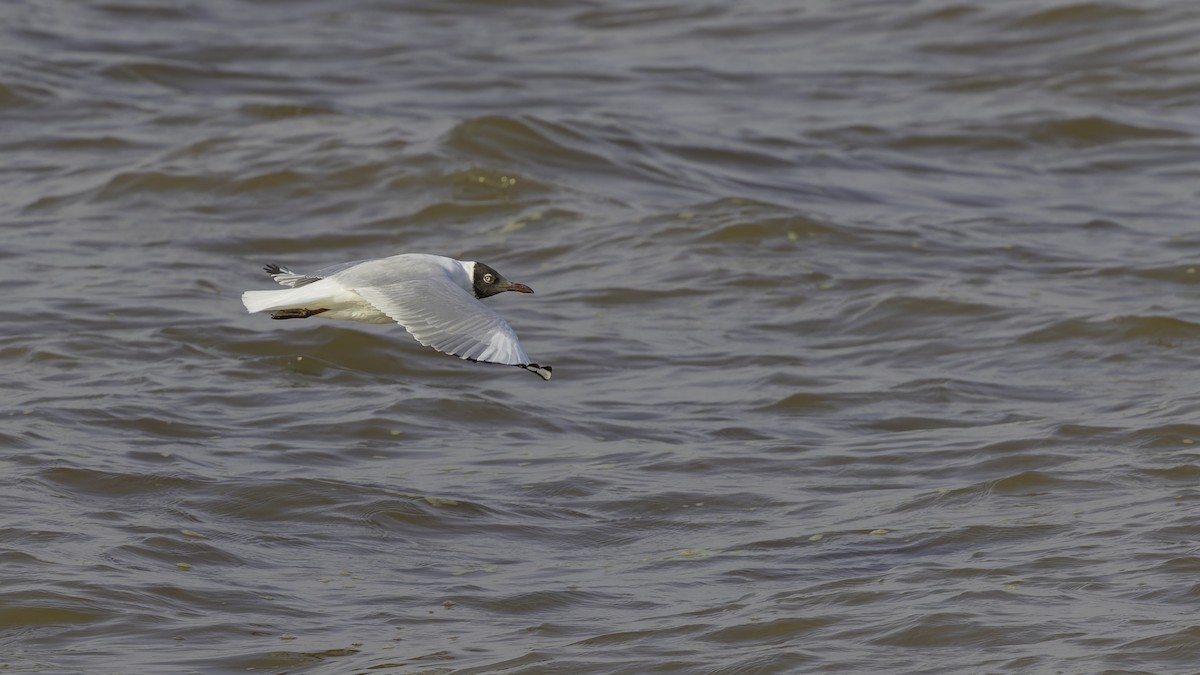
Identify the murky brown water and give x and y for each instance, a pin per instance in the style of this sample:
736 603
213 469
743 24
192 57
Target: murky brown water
875 330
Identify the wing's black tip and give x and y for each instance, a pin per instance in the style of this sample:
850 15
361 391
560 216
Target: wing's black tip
274 269
544 372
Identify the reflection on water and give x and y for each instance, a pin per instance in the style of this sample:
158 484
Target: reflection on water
872 328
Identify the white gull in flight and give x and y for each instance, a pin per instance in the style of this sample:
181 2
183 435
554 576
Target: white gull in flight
435 298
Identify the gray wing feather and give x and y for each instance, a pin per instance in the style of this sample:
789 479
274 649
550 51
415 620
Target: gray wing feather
334 269
441 315
285 277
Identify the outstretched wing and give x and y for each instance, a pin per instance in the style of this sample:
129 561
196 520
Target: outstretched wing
441 315
285 277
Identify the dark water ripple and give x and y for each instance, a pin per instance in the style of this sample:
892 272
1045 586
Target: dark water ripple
872 327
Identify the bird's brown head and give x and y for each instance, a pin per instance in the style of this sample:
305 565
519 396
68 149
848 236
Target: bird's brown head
487 282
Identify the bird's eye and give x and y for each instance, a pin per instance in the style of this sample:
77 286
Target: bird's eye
487 278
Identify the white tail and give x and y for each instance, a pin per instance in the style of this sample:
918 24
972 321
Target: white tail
318 294
258 301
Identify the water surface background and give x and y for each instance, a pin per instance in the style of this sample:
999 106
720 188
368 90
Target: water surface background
874 327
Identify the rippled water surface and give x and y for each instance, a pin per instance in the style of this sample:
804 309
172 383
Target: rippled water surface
874 326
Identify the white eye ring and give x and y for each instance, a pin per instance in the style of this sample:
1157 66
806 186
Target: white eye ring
487 278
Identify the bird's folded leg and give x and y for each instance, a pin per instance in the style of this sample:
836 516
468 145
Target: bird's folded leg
300 313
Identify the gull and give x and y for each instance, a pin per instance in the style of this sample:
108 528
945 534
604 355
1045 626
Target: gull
433 297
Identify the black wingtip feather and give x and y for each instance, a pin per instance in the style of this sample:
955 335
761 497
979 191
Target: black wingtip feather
543 372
